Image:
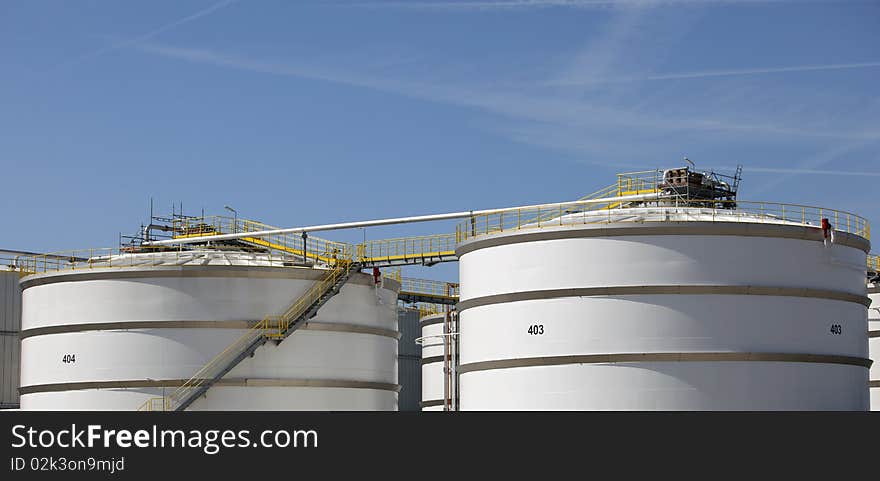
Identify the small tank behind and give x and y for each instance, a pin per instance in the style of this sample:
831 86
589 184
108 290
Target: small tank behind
874 330
438 361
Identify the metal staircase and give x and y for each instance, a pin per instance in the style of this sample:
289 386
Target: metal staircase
270 328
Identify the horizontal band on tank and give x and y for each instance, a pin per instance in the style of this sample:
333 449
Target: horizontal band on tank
431 320
128 325
352 328
143 383
742 229
874 290
873 383
433 359
873 333
251 272
650 290
431 403
664 357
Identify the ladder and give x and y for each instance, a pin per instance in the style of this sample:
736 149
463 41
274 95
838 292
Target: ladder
275 328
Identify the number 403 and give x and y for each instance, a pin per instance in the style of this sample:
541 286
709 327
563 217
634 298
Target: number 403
536 329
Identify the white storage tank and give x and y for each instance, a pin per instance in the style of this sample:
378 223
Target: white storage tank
437 385
874 343
111 338
663 308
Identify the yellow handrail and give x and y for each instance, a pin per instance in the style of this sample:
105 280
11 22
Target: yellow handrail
569 213
155 404
874 263
271 327
429 309
407 248
308 247
316 248
300 306
392 273
431 248
429 287
631 183
207 372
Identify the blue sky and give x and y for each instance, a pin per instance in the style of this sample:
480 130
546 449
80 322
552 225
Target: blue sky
299 113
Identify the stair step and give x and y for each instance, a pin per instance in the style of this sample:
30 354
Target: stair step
309 312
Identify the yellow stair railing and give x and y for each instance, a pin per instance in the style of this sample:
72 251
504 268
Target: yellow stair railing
276 327
404 250
308 248
630 183
155 404
280 325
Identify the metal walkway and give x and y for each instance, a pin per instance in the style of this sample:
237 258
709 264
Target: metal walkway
414 291
418 250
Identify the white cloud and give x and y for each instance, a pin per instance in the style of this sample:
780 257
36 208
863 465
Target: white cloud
151 34
531 105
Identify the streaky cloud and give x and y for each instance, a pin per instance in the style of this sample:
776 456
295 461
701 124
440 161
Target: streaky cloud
717 73
535 4
757 71
152 33
510 104
797 171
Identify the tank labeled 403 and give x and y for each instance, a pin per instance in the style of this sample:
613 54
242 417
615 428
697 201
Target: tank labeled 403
663 306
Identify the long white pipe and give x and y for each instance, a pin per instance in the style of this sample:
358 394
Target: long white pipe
396 220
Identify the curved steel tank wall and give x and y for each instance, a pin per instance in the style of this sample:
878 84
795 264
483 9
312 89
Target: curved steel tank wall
670 316
433 387
874 344
136 333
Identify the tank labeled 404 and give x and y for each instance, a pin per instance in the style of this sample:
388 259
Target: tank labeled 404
114 338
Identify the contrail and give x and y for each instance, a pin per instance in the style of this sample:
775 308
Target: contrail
754 71
795 171
717 73
526 4
164 28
